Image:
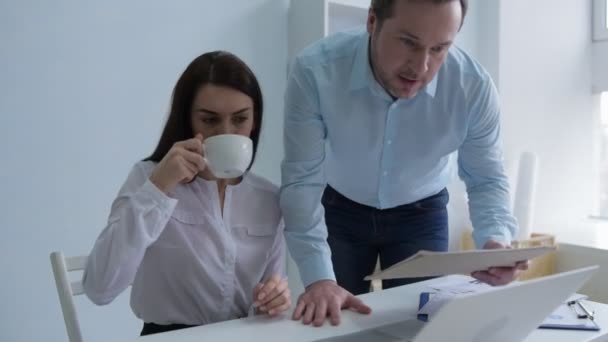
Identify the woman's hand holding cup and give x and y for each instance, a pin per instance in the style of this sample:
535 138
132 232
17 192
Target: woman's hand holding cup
180 165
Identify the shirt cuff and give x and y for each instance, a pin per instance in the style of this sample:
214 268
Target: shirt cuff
499 235
315 268
156 198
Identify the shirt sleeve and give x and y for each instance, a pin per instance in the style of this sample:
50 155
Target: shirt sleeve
480 166
137 218
303 177
278 257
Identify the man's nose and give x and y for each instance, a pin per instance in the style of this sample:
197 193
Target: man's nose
419 62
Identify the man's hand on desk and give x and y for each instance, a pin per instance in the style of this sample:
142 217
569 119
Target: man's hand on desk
325 298
499 275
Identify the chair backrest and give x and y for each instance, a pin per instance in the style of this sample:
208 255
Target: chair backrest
66 289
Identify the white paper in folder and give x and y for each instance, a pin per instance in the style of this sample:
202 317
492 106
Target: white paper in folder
430 264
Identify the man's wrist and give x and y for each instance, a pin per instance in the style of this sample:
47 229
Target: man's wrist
320 281
495 244
315 268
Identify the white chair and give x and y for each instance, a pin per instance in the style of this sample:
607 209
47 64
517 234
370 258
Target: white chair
66 289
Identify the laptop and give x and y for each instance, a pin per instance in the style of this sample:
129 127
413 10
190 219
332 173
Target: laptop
503 314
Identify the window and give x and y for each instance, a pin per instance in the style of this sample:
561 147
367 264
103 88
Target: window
603 185
600 19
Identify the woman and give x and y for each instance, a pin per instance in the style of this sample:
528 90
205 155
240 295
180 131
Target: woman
196 249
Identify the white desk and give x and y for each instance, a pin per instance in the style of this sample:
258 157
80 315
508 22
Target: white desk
389 306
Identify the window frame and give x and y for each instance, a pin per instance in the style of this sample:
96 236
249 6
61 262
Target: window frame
600 203
600 20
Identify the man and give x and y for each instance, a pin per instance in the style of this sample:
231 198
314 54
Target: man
371 122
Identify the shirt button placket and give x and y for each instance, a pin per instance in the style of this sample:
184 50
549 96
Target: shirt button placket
385 164
228 288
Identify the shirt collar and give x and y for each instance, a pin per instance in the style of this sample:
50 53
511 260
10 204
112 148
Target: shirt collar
431 88
361 73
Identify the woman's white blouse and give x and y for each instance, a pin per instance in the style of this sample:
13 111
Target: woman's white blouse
187 263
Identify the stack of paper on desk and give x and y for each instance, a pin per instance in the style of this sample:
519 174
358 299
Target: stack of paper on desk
429 264
442 292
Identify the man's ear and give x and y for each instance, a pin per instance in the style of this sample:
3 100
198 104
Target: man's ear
372 21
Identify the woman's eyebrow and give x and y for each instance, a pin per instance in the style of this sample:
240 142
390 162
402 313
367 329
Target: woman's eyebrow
209 111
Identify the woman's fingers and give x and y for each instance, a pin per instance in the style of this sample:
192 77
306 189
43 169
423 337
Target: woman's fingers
194 145
194 158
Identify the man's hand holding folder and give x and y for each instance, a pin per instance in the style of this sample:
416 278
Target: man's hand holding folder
497 266
500 275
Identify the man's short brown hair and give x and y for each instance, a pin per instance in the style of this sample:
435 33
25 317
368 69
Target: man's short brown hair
384 8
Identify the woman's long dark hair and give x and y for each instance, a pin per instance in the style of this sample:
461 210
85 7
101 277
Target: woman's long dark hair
218 68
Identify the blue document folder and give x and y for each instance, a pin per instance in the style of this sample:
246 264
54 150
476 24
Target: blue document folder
424 298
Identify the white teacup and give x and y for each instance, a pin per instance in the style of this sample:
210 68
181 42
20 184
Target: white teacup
228 155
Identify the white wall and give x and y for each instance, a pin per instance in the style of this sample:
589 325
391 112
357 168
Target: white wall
488 34
547 106
540 56
600 47
84 91
599 51
469 35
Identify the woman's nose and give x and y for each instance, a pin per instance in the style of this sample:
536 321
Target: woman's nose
226 128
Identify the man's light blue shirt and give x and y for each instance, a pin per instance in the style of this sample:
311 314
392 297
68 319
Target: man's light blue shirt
342 128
